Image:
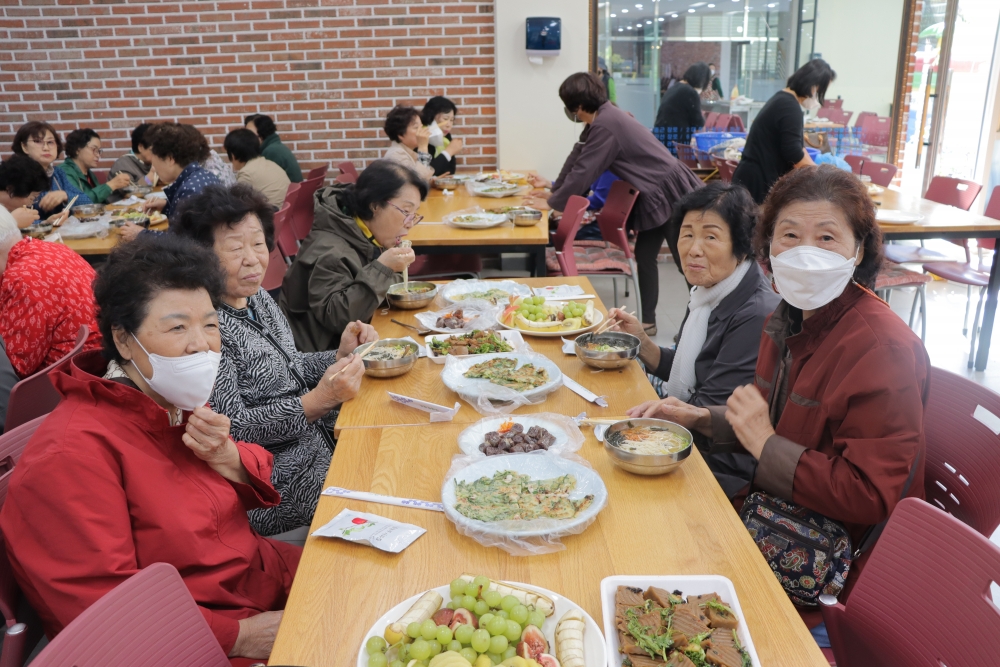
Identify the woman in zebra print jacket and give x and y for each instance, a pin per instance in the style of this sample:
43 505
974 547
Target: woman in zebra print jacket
282 399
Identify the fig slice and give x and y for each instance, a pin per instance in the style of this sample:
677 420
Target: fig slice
532 644
463 617
546 660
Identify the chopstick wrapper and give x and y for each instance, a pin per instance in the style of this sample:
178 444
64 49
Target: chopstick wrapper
384 500
569 346
439 413
584 392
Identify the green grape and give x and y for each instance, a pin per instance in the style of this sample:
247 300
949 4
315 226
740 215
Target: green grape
481 607
463 633
403 654
468 602
413 630
435 647
494 658
509 602
513 631
498 644
472 590
375 645
536 618
397 663
484 619
480 641
496 626
428 630
452 605
519 613
458 599
443 634
455 645
458 587
482 581
420 650
502 613
492 598
377 659
510 652
469 654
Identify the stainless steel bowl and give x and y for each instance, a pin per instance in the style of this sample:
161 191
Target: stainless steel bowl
607 359
442 183
138 190
647 464
390 369
37 230
410 300
85 212
526 217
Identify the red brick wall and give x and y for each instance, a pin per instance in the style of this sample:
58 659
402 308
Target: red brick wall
327 71
681 55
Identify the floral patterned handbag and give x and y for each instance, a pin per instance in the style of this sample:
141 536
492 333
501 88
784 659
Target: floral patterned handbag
809 553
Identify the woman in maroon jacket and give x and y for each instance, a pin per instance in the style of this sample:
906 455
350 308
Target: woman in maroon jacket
615 141
834 418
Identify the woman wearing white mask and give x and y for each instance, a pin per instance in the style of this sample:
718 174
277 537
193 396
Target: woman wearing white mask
132 469
834 417
775 144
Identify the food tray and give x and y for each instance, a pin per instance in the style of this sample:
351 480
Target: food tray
470 439
692 584
593 641
457 287
454 378
513 337
552 333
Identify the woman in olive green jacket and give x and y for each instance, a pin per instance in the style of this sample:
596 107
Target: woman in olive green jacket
83 153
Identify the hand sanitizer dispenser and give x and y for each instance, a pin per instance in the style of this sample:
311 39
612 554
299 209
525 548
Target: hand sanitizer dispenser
543 37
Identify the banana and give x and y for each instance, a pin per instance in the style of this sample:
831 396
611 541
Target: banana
525 323
569 639
527 598
588 313
421 610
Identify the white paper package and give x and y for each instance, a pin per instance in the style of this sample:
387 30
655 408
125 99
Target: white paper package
371 530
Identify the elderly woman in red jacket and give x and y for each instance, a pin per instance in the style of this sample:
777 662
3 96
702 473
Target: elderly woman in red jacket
132 469
834 419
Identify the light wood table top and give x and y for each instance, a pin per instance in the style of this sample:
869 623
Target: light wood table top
96 245
433 232
372 407
939 220
680 523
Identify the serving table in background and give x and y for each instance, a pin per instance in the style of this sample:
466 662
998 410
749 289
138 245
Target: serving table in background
941 221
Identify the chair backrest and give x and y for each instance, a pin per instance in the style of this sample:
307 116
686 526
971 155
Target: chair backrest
881 173
926 584
685 153
721 123
284 237
569 225
862 117
276 270
856 162
735 124
304 208
836 115
614 216
318 172
953 192
710 119
148 620
35 396
348 173
726 169
961 425
875 130
824 112
834 104
703 158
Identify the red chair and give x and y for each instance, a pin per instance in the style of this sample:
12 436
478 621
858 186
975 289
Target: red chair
303 209
875 132
612 221
881 173
685 153
284 237
963 461
710 119
35 396
726 169
835 115
862 117
721 123
348 173
276 270
318 172
704 159
893 276
926 583
834 104
565 234
943 190
856 162
735 124
148 620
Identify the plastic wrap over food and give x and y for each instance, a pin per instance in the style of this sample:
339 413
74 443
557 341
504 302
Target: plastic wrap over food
74 229
495 292
521 434
522 503
460 318
501 383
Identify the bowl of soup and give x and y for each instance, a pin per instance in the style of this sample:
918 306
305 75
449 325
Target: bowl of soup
390 357
408 296
648 446
612 349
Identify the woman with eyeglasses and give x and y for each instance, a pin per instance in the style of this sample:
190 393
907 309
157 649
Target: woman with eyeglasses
83 154
352 255
40 141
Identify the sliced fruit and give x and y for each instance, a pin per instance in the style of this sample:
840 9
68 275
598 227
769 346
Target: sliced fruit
422 609
463 617
525 323
443 617
546 660
569 639
530 599
535 642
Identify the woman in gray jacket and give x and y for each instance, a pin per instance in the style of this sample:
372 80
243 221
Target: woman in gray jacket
351 257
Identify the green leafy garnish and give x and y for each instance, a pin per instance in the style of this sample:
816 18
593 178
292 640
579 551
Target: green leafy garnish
747 662
719 607
654 645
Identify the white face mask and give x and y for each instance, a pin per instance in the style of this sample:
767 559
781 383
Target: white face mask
811 104
808 277
185 382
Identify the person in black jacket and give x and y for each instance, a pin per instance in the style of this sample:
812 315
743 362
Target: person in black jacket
680 106
442 111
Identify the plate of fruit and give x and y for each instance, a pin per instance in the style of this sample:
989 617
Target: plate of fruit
535 316
479 622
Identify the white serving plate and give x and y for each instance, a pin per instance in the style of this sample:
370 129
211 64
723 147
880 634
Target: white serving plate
470 439
454 378
498 176
593 641
552 333
536 466
512 337
451 290
894 217
496 189
695 584
483 220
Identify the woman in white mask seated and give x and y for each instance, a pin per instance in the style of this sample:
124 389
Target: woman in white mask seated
730 300
834 417
133 469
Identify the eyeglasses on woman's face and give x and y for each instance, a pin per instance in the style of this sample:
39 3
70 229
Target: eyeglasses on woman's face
410 219
47 143
94 148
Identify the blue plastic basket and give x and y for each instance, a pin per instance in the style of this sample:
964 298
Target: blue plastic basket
708 139
813 152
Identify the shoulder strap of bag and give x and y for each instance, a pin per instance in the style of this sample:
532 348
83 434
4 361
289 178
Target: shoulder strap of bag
872 534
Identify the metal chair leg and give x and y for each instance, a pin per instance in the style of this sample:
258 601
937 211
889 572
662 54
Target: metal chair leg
968 304
914 305
635 279
923 314
614 290
975 329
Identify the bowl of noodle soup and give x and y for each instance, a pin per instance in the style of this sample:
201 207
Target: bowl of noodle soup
648 446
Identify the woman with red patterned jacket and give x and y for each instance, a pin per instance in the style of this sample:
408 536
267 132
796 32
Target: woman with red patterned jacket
45 295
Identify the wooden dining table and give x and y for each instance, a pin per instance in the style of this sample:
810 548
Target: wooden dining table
940 221
434 236
677 524
98 246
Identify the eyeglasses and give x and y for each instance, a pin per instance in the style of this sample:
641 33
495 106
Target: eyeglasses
44 144
95 149
411 218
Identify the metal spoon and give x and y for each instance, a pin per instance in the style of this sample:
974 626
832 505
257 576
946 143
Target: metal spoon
420 332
